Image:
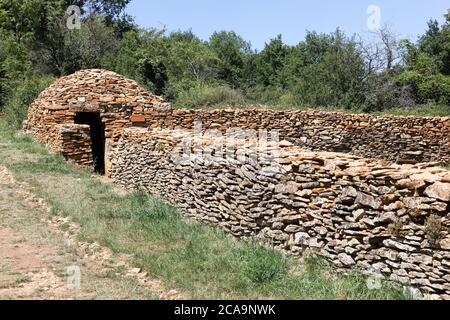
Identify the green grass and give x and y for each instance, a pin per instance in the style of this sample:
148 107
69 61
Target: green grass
426 110
22 278
201 260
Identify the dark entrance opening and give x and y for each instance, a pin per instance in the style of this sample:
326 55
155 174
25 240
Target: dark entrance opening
97 137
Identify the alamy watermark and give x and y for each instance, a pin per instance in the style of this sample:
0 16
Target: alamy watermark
236 145
73 277
374 281
374 20
73 17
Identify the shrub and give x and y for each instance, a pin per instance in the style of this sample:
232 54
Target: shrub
426 87
383 94
265 95
395 229
203 95
264 265
288 99
24 92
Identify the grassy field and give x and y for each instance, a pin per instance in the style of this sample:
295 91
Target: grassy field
203 261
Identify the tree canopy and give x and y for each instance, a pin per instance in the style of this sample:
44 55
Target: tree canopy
332 70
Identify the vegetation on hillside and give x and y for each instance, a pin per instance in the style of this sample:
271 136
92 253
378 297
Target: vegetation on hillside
331 71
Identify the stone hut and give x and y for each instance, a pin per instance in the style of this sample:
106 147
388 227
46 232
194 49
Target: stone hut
82 115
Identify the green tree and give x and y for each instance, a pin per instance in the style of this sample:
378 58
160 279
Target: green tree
111 10
327 70
270 62
190 58
140 56
14 62
28 18
64 51
231 50
436 44
42 26
428 64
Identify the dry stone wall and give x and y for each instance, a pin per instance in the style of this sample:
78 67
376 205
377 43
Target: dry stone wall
76 143
392 138
355 212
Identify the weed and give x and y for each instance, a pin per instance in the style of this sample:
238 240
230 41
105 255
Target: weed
395 229
263 264
22 278
433 229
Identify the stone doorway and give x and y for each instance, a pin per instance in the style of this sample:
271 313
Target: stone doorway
97 130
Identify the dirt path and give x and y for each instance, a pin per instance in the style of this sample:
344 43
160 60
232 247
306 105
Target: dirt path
42 258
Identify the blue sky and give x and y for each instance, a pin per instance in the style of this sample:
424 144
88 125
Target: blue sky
258 21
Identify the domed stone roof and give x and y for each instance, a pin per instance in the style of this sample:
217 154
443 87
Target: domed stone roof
94 87
119 103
